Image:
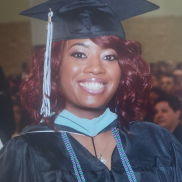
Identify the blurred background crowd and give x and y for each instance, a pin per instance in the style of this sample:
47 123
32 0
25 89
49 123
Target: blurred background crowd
164 104
13 118
165 99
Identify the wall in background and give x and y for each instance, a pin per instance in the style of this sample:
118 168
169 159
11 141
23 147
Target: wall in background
167 8
15 31
159 32
160 37
15 46
10 10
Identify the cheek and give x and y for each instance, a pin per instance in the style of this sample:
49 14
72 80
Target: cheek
115 75
65 78
171 116
69 71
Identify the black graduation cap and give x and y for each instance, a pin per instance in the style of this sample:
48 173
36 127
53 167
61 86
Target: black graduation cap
75 19
78 19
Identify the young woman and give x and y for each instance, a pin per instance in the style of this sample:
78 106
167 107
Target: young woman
98 86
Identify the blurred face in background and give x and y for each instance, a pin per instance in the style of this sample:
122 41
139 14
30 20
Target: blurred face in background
152 97
178 74
17 114
165 116
155 82
167 83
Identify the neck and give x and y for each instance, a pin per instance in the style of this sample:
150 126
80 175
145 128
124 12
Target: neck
17 130
172 128
85 113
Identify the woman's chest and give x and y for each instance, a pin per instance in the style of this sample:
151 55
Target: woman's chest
60 168
145 174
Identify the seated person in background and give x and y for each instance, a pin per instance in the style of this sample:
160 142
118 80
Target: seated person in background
167 111
21 118
168 82
7 123
154 94
178 73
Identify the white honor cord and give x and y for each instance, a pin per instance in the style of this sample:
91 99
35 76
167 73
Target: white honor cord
45 109
51 131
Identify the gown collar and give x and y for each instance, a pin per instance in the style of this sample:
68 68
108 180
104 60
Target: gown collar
68 121
71 130
43 127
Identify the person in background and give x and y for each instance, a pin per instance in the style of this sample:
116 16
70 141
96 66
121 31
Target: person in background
154 94
167 111
154 70
168 82
25 70
163 67
178 73
7 124
14 84
21 118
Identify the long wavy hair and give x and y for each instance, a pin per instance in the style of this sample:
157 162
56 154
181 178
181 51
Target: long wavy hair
131 96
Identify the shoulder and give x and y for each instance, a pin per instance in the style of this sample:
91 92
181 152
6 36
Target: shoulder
13 154
147 144
14 143
26 141
147 130
151 133
34 144
152 140
18 161
35 128
16 147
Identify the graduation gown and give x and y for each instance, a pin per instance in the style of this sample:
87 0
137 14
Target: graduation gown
40 155
3 138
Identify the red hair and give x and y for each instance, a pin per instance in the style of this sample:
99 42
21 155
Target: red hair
130 98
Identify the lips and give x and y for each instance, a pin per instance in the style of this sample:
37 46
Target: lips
160 121
93 85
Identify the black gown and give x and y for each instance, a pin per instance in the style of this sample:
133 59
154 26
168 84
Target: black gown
178 133
39 155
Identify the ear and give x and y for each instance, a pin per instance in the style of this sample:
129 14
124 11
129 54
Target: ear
178 113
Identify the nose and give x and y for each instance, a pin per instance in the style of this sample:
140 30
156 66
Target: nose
158 114
94 66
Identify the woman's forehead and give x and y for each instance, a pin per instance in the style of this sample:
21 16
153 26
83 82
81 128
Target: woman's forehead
77 42
86 43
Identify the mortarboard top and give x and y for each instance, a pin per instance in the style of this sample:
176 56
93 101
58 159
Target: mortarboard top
74 19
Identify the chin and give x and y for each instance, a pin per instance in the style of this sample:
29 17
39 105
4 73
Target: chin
92 106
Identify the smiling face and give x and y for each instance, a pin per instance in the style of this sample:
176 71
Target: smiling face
89 75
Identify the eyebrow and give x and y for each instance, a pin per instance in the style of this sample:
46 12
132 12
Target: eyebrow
80 44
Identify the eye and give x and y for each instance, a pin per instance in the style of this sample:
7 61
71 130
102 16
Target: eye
164 110
79 55
110 57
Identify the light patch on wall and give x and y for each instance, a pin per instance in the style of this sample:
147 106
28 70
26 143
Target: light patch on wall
167 8
10 10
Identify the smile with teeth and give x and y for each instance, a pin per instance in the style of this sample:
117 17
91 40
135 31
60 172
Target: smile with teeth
92 85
